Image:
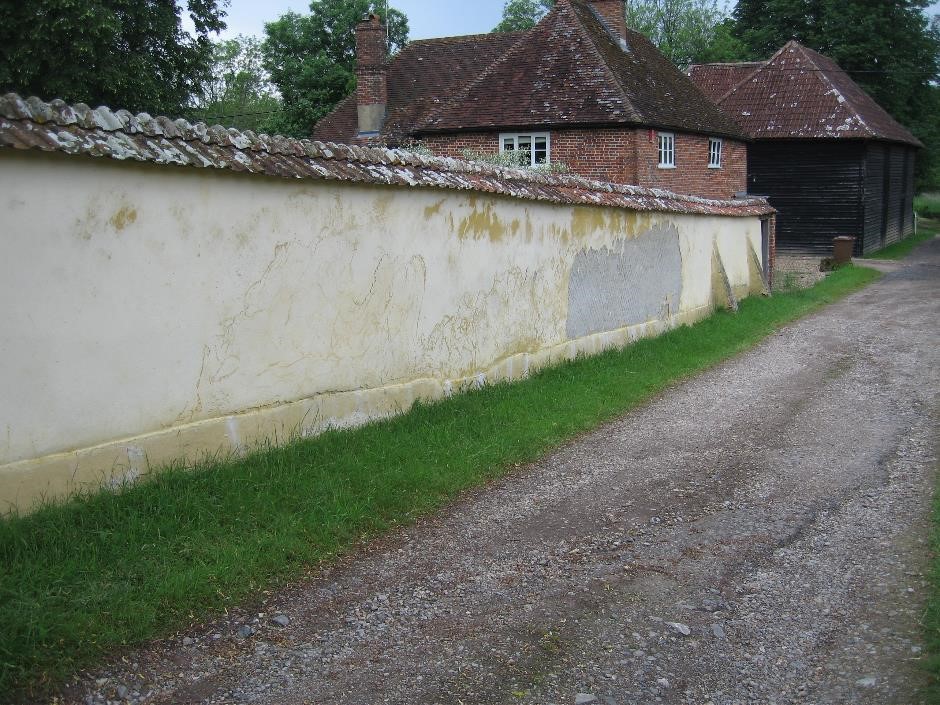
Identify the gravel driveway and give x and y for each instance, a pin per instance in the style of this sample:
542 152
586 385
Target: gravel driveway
755 535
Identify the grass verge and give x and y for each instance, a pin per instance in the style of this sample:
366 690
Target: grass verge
931 621
84 577
927 205
927 230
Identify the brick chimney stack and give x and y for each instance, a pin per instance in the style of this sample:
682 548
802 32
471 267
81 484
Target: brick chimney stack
371 75
614 14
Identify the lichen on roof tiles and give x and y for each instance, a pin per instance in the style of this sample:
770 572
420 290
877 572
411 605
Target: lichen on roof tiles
796 87
79 130
575 72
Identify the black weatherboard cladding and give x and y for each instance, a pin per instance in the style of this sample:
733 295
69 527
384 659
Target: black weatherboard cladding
896 196
874 196
815 186
826 188
909 158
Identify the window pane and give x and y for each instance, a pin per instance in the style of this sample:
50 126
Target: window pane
509 144
541 150
667 151
714 152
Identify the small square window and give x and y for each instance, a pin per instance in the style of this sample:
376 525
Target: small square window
667 150
534 148
714 153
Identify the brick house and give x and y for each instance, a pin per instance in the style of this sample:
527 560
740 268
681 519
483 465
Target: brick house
579 88
829 158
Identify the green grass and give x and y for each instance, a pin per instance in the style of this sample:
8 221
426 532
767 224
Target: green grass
927 230
80 579
927 205
931 619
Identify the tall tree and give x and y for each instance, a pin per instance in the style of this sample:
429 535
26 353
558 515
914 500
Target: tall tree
683 30
311 58
891 49
520 15
723 45
131 54
239 93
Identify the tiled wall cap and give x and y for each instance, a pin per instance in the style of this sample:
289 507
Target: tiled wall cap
55 126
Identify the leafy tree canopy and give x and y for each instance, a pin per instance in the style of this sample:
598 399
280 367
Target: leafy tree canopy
311 58
684 30
239 92
520 15
131 54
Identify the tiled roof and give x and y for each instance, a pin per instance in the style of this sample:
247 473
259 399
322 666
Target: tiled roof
658 92
424 74
800 93
78 130
566 71
715 80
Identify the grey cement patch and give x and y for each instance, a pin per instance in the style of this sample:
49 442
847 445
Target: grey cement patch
632 283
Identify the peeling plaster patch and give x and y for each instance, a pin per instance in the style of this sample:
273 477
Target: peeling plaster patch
482 223
636 280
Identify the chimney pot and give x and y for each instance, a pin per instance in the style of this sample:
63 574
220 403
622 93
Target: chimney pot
371 74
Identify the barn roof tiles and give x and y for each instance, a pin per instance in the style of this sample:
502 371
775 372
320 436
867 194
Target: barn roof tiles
32 124
568 70
715 80
800 94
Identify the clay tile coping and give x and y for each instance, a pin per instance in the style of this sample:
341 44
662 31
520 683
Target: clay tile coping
79 130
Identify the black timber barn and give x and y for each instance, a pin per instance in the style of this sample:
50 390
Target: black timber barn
830 159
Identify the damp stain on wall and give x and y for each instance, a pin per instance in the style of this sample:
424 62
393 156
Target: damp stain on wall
123 217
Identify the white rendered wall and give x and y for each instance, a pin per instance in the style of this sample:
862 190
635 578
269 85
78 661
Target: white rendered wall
152 313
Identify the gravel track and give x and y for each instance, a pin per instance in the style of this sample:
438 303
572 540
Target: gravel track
755 535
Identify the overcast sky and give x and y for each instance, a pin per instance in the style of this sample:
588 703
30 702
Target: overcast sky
427 18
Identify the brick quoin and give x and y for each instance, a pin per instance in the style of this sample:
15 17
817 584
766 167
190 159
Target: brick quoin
624 156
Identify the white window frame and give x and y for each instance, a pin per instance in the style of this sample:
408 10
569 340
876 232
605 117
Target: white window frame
715 149
667 150
532 136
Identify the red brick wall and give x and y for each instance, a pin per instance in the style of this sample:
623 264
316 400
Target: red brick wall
773 249
692 174
371 69
605 154
454 145
626 156
614 13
